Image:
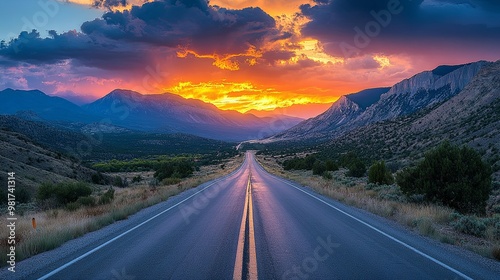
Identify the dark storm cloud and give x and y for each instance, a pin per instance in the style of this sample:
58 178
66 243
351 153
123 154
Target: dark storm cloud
126 39
276 55
191 23
85 50
109 3
355 27
488 5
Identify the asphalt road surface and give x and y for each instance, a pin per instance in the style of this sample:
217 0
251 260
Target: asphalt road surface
251 224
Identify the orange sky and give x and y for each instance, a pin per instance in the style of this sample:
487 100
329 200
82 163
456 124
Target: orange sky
244 59
248 81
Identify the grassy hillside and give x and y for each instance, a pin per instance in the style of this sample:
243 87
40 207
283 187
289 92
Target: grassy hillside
34 165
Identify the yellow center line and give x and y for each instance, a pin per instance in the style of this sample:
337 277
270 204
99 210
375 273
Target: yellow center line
247 214
252 266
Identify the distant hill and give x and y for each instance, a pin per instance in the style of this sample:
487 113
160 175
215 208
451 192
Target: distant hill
123 110
36 104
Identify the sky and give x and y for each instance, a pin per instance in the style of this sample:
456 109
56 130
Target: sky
292 56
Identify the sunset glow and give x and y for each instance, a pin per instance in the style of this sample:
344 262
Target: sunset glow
245 55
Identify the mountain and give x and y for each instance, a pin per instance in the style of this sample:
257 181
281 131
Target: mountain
419 92
471 117
346 109
302 111
36 104
171 113
125 110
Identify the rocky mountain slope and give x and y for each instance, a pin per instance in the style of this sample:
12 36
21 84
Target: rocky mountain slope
472 117
419 92
346 109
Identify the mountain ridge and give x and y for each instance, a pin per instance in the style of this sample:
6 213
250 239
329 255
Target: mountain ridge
127 109
406 97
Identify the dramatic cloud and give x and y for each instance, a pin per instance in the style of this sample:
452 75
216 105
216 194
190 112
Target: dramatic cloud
172 23
109 3
246 54
82 49
351 28
187 25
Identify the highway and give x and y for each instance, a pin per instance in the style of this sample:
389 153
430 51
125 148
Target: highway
251 224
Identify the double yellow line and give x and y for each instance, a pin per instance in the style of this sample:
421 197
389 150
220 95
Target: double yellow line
252 256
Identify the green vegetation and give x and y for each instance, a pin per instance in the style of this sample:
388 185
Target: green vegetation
62 193
137 164
107 197
70 195
119 182
380 174
355 166
297 163
453 176
175 169
319 166
99 178
137 179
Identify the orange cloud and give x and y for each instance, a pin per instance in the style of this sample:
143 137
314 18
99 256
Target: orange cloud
226 61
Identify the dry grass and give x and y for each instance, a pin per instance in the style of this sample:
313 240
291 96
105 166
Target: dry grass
56 226
427 219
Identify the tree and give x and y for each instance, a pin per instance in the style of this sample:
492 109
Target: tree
318 168
380 174
355 166
331 165
356 169
451 175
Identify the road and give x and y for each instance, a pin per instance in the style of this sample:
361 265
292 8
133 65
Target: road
253 224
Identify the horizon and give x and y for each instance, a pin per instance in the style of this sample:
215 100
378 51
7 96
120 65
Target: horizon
267 58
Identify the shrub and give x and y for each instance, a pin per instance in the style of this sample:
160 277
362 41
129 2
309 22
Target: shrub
300 163
119 182
453 176
22 195
356 169
380 174
63 193
331 165
355 166
73 206
137 179
470 225
327 175
318 168
107 197
86 200
178 169
170 181
99 179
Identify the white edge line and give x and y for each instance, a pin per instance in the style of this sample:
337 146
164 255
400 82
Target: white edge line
374 228
55 271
